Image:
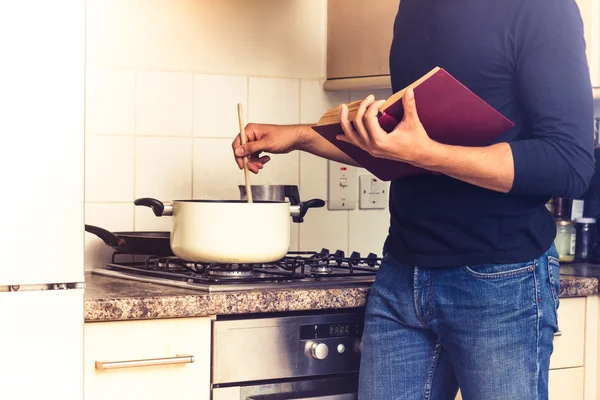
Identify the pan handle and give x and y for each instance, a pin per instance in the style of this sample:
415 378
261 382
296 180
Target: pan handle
160 209
298 212
107 237
291 192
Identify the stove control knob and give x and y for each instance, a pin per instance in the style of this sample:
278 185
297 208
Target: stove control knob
319 351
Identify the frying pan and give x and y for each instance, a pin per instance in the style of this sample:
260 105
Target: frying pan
141 243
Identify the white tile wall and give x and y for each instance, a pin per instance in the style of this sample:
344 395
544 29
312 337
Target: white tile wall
184 125
314 101
324 229
215 105
368 230
163 168
110 101
216 175
164 103
274 101
109 168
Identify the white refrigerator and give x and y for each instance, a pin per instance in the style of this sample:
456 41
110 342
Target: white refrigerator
42 103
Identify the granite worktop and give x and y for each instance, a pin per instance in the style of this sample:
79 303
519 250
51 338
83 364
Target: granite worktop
112 299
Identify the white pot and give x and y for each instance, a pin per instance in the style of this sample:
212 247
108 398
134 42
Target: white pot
233 231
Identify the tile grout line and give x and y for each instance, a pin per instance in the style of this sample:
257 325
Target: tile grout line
193 134
299 156
135 123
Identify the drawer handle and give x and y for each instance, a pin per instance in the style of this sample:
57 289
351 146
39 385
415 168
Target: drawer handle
557 334
178 359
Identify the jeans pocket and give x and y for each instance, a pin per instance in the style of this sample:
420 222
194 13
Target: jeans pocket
554 279
499 271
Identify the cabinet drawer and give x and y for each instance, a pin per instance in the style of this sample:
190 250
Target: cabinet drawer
569 347
158 350
566 384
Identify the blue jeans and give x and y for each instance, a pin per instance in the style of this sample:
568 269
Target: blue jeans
487 329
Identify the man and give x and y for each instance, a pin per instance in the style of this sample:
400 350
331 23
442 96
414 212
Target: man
468 292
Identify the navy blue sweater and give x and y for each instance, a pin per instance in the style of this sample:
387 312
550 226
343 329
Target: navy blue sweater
526 58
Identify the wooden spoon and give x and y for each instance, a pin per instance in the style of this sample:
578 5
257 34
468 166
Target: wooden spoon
246 171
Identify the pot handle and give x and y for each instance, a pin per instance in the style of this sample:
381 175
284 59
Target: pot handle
107 237
291 192
160 209
299 211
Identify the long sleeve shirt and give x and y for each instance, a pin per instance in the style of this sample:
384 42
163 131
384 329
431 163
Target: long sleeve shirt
527 60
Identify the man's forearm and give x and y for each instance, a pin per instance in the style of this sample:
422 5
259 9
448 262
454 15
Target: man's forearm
312 142
489 167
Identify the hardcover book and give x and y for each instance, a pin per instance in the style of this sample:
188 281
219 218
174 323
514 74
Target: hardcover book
450 113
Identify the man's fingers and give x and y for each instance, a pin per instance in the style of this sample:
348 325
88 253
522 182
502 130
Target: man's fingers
346 125
360 114
371 121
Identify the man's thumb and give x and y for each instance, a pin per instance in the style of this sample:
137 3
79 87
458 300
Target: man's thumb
409 105
247 149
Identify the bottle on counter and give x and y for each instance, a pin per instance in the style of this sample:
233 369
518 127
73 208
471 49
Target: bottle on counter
585 232
566 239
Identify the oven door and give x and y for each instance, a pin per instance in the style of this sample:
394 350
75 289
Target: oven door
332 388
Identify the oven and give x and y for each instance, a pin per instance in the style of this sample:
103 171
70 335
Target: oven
284 357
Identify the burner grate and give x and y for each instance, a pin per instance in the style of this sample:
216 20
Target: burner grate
296 266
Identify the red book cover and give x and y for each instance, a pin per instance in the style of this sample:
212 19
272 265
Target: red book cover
449 111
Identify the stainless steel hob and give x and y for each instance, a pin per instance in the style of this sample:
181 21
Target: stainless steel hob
295 270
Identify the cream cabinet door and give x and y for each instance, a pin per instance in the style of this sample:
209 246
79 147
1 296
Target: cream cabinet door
169 344
590 14
566 384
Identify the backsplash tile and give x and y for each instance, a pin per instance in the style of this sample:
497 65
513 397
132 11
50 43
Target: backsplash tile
274 101
313 176
216 175
368 230
163 168
164 103
324 229
115 217
215 105
145 220
314 101
109 168
110 101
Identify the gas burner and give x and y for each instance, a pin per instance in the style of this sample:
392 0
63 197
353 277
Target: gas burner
168 263
231 271
322 269
308 269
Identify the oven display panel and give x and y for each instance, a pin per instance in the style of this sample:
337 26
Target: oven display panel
325 331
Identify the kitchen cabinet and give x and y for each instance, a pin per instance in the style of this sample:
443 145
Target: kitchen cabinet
573 365
360 32
590 14
359 37
566 384
170 344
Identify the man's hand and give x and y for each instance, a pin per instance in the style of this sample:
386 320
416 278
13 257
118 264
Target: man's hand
276 139
490 167
408 142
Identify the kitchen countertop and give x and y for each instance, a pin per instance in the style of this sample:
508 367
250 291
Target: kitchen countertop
113 299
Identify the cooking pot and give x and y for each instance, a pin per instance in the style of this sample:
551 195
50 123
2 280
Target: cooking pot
230 231
273 193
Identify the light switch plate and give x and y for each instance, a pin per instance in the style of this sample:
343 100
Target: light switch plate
373 193
342 192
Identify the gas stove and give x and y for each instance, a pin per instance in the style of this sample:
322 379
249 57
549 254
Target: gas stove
296 270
